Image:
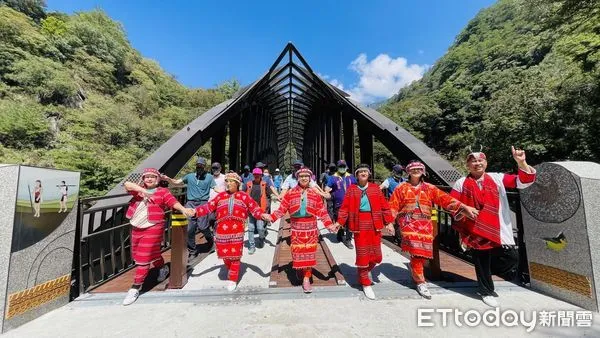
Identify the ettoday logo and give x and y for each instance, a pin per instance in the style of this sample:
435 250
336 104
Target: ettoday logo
506 318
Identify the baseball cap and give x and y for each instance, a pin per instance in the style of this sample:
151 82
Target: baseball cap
201 161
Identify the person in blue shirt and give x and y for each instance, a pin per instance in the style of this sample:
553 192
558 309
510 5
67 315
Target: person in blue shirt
199 185
277 180
337 185
394 180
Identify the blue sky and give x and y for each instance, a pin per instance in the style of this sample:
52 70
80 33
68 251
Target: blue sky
368 48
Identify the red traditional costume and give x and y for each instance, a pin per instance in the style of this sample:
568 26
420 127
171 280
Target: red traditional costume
413 205
231 212
492 228
147 218
366 226
304 206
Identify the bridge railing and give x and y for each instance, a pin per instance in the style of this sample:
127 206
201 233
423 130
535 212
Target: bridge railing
103 242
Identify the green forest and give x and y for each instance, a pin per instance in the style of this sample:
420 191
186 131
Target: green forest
523 73
75 95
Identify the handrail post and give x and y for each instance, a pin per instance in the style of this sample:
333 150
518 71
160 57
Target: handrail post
435 269
179 252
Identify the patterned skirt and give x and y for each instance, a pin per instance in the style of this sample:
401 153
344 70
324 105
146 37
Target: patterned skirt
367 242
229 239
417 235
145 243
304 240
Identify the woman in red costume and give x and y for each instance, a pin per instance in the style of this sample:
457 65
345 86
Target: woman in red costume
232 208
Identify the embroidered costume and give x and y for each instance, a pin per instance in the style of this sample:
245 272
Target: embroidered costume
365 219
231 212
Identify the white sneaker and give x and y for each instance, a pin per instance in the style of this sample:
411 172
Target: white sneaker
490 300
231 286
163 273
369 293
423 290
132 296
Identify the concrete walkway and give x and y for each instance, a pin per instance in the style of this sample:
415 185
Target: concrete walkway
254 271
328 312
204 308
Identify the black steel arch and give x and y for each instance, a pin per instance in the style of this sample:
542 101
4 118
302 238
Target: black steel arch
291 107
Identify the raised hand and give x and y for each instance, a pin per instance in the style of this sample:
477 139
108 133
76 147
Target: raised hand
518 154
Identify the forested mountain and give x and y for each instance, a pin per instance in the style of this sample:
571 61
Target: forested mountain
522 72
75 95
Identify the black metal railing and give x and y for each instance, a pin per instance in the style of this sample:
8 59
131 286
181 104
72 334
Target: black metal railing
103 242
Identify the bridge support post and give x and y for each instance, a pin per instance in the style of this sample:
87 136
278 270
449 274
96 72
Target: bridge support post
348 125
217 146
234 143
365 141
244 138
337 136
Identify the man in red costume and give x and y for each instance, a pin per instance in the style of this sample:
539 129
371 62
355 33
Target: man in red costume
232 208
492 228
305 205
365 211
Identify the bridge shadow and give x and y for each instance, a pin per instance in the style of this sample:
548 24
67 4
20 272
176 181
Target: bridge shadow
223 271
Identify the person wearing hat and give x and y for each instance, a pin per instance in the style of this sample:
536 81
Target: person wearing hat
291 181
232 208
266 177
411 205
329 171
260 193
304 205
492 228
365 212
219 177
246 174
393 181
277 180
146 214
199 185
337 185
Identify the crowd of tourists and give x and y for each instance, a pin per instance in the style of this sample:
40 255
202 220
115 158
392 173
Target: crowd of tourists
224 207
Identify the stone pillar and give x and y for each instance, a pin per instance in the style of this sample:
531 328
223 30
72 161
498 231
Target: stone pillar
561 220
36 241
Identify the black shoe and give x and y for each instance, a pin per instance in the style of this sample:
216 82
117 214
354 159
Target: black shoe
260 243
348 244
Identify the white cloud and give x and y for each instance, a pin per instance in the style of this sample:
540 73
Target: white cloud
382 77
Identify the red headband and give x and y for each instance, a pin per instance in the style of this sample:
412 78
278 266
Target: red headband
150 171
415 165
303 171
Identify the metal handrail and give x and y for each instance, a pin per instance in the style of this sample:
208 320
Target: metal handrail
102 254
